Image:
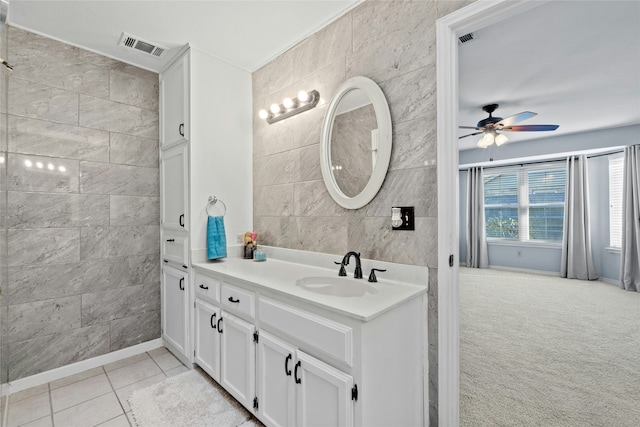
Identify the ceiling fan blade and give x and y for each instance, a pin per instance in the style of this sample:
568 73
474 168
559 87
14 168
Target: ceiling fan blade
530 128
469 127
516 118
471 134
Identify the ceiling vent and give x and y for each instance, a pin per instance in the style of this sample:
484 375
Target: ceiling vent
132 42
466 38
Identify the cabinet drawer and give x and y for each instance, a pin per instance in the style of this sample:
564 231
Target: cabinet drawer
175 247
207 287
324 335
238 300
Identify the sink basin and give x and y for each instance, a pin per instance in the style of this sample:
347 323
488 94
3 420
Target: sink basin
336 286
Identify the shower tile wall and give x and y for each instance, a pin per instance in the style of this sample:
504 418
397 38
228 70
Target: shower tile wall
82 205
394 44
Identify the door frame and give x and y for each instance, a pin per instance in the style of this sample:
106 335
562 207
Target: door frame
473 17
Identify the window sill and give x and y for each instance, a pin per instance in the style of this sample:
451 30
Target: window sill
542 245
613 250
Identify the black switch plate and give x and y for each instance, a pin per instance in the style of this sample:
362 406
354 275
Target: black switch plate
408 218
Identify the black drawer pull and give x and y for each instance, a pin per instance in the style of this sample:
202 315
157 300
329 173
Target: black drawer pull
219 326
204 287
181 129
181 283
171 240
165 260
181 220
213 321
286 365
295 374
235 301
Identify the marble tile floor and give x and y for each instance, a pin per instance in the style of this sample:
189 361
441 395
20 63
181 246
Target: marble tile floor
97 397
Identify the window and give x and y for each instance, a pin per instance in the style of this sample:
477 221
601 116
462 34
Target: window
616 170
525 203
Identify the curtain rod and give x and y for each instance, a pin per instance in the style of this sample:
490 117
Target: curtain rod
534 162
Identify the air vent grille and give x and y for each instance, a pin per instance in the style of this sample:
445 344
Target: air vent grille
132 42
466 38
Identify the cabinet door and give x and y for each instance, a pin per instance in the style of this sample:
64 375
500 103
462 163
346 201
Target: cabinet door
323 394
207 345
238 358
174 87
174 188
175 308
276 388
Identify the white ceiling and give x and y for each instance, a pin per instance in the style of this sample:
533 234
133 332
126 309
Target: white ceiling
575 63
245 33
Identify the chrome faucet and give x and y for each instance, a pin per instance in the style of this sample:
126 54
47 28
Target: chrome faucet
357 273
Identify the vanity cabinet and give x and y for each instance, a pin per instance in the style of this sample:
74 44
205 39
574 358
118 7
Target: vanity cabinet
175 309
296 389
237 358
295 362
225 343
207 338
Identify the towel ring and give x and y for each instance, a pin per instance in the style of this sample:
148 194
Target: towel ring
212 201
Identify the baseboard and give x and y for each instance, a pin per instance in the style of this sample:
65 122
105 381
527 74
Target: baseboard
74 368
615 282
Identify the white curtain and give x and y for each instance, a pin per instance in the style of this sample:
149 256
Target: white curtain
577 262
630 252
476 234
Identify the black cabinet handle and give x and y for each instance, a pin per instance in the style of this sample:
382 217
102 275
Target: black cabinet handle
165 260
181 129
204 287
235 301
219 328
181 220
171 240
212 321
286 365
181 283
295 374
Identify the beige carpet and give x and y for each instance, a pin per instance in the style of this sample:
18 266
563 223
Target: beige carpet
543 351
191 399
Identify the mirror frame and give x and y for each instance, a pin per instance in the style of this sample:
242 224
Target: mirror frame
379 172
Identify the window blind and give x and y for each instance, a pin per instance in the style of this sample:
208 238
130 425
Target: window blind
616 170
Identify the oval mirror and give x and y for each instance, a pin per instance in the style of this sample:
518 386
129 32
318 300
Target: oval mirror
355 148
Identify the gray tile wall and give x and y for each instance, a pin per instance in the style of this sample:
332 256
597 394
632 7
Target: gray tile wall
82 221
394 44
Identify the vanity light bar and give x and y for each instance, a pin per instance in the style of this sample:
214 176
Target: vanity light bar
290 107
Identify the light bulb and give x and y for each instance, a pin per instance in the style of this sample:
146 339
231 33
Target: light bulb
501 139
62 169
50 167
263 114
484 142
39 165
275 108
28 163
396 217
1 159
288 103
303 96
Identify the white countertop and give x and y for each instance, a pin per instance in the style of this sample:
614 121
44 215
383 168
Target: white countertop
280 276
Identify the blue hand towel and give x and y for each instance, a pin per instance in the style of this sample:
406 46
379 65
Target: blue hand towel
216 238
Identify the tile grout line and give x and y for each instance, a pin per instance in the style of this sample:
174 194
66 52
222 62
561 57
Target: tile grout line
113 389
50 404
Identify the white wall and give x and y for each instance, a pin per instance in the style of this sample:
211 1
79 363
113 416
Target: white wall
547 258
221 146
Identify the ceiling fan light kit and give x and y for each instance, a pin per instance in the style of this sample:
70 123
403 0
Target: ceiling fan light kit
491 125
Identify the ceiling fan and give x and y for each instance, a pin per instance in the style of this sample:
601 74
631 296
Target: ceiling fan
492 125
